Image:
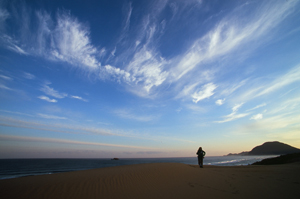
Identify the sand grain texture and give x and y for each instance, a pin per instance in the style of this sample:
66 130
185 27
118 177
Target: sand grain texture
161 180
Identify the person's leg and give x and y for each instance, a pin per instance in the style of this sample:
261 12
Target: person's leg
201 162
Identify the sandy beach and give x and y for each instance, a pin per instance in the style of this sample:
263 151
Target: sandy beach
161 180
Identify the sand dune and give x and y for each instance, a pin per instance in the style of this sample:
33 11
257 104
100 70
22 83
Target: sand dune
161 180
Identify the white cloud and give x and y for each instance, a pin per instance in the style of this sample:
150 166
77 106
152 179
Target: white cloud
6 77
290 77
236 107
205 92
233 116
72 43
47 99
258 106
17 113
261 88
12 44
29 75
55 127
232 87
63 141
233 32
117 73
62 39
79 98
113 51
2 86
147 70
50 91
73 129
51 117
257 117
65 38
220 102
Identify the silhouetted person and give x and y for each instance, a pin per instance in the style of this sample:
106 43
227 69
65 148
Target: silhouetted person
201 155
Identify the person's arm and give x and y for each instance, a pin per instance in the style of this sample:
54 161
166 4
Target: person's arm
204 153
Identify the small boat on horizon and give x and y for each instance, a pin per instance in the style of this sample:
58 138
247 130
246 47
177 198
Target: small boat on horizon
115 159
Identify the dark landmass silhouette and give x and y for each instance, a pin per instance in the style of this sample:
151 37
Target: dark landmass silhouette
270 148
283 159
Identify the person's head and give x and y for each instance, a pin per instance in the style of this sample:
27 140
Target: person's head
200 148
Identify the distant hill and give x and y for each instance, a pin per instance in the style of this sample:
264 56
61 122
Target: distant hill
270 148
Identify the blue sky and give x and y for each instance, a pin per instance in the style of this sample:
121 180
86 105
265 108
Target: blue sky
102 79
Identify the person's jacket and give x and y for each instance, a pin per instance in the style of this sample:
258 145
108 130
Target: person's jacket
201 153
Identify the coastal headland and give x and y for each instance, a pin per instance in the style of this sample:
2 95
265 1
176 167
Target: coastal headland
161 180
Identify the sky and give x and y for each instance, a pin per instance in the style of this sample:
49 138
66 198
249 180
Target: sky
159 78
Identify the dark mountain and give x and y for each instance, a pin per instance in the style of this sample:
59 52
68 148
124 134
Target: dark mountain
273 148
270 148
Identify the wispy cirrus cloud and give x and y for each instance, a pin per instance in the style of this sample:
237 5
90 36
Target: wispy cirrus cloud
17 113
234 115
147 69
206 91
257 117
29 75
42 97
72 42
12 44
290 77
46 116
55 127
73 129
62 38
51 92
6 77
139 62
231 33
2 86
281 120
258 106
261 88
79 98
65 141
220 102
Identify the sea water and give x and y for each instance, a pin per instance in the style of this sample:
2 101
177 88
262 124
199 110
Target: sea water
14 168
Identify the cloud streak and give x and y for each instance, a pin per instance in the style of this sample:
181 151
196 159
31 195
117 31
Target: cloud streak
51 116
50 91
206 91
42 97
79 98
265 88
233 115
64 141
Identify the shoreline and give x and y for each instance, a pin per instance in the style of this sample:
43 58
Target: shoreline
161 180
26 167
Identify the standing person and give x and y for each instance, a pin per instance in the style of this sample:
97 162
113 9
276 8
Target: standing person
201 155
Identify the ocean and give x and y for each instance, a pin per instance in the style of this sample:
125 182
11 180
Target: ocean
15 168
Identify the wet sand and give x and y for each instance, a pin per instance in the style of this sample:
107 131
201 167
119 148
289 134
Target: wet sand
161 180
